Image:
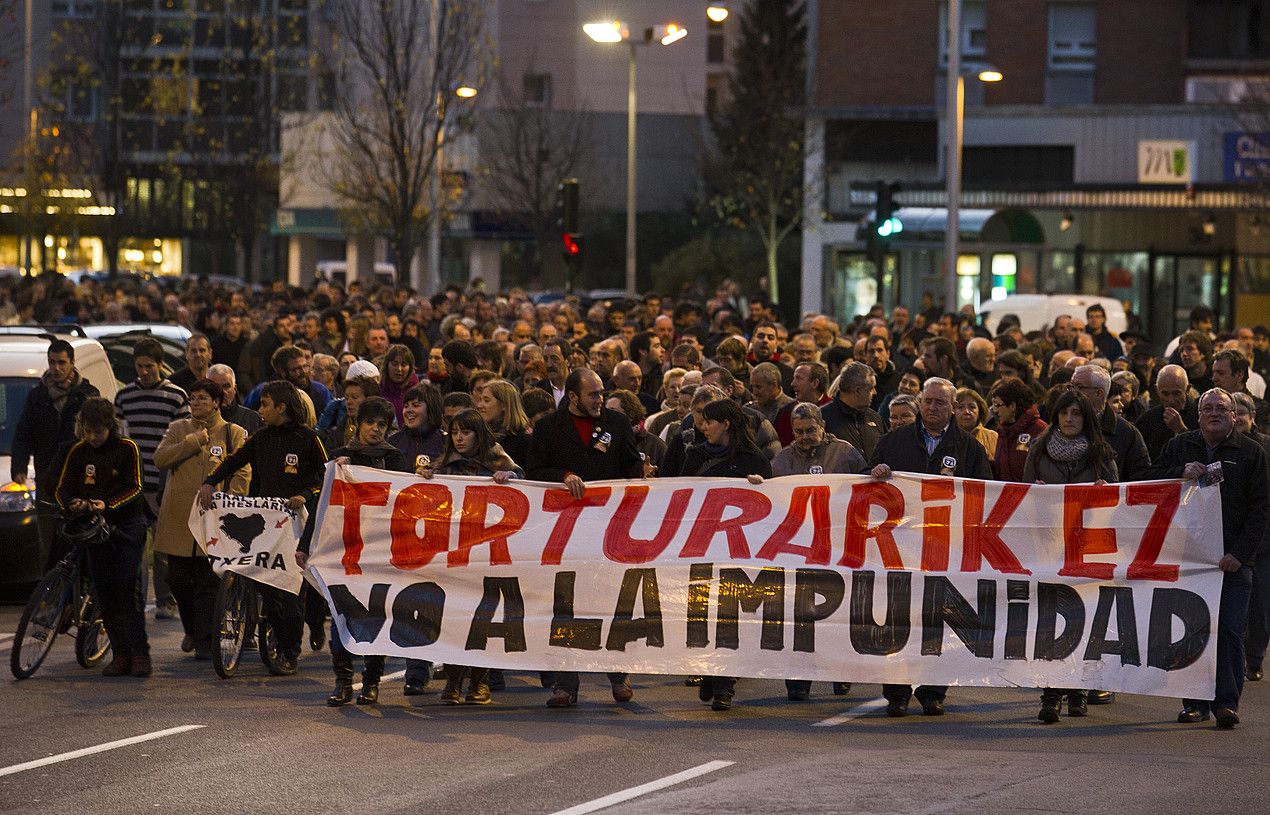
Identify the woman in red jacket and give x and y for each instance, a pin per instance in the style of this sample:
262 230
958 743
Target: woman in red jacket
1019 425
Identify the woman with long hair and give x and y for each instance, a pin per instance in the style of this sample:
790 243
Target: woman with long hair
727 450
1070 451
399 376
470 449
500 406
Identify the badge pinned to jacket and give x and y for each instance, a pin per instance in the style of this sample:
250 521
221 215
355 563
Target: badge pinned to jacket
950 466
292 464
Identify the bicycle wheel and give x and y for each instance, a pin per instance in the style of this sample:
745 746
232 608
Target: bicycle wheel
231 624
267 640
91 640
41 622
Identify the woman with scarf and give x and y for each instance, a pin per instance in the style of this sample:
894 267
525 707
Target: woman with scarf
190 450
727 450
1069 451
499 405
399 377
470 449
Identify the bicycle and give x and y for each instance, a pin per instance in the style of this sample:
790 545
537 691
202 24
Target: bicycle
239 615
64 599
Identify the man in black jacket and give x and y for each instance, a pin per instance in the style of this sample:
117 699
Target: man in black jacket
47 422
1245 509
1132 459
933 445
1175 414
583 441
849 416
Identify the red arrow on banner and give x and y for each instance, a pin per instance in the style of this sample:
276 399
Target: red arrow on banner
281 523
212 542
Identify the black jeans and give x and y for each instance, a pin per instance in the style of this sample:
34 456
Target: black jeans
115 566
1231 621
1259 615
194 585
286 617
570 680
342 661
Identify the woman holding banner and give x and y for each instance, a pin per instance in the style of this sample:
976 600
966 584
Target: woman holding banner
1069 451
727 450
470 449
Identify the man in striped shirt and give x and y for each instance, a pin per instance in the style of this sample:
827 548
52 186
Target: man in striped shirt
145 408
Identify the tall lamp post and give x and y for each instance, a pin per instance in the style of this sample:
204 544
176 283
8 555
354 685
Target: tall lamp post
433 272
613 32
955 118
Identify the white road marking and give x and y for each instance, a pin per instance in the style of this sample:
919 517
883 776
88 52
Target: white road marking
854 713
100 748
384 678
644 789
4 637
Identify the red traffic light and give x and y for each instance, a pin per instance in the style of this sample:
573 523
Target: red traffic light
571 246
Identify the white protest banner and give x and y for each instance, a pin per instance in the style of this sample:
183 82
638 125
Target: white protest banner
914 580
254 537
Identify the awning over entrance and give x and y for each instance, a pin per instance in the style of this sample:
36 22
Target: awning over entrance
1006 226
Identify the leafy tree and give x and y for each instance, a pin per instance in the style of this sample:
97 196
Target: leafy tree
755 172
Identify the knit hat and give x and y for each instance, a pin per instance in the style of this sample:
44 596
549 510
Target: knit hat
362 367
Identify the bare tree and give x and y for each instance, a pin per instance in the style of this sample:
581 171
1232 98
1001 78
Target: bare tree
398 63
526 150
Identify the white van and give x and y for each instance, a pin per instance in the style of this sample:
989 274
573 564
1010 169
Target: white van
336 271
1037 312
23 360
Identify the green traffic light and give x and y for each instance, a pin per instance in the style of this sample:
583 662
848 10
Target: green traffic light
889 227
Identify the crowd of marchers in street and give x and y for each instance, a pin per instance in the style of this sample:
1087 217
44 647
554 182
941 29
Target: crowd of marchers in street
279 380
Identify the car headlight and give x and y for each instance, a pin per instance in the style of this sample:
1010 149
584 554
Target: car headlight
16 497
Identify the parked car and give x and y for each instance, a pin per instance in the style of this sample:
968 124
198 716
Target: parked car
1036 312
119 338
23 360
336 271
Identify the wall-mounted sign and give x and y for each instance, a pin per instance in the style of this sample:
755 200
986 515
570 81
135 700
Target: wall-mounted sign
1166 162
1246 158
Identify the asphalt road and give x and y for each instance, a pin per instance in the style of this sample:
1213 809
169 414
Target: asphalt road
261 744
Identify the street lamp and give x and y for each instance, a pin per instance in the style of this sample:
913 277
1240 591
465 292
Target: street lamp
614 31
434 225
955 117
717 12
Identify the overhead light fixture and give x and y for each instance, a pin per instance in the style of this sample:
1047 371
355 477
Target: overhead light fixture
1067 221
991 75
465 92
1210 225
717 12
610 31
670 33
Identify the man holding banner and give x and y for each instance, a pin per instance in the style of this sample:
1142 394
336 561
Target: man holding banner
1216 453
582 441
936 446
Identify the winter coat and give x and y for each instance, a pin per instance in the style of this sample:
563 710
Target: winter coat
188 463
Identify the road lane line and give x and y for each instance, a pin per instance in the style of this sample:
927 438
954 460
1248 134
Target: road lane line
644 789
854 713
385 678
100 748
4 637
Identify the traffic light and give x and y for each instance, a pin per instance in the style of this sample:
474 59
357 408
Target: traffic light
885 222
570 223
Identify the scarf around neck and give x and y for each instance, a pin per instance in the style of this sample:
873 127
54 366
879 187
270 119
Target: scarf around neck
1061 448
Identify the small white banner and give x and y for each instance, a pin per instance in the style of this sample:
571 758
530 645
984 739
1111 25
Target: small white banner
253 537
1166 162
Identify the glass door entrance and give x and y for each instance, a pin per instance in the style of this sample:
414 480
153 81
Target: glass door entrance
1180 282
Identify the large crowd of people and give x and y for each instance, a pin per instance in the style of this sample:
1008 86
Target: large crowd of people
277 381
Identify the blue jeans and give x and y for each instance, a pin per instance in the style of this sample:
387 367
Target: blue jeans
1232 621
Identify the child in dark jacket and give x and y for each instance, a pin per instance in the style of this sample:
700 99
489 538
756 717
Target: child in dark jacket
368 449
